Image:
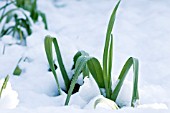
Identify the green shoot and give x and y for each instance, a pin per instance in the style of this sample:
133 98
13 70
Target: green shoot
18 70
106 70
96 71
135 96
61 65
48 49
76 56
80 64
85 64
4 85
103 76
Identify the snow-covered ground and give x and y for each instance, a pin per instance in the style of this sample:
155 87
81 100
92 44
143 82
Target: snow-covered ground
141 30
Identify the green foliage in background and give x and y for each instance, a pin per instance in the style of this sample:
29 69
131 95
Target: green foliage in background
31 6
21 26
16 22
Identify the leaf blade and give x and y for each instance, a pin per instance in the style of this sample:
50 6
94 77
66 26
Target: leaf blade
110 60
17 71
4 85
61 64
81 62
135 96
48 50
96 71
105 54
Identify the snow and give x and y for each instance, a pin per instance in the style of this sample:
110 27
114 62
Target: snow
89 87
141 30
9 97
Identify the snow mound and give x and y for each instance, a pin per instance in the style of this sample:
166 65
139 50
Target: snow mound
9 97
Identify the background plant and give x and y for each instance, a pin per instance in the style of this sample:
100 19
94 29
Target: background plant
31 6
16 21
20 28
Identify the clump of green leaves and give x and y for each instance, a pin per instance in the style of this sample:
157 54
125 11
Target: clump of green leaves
16 22
21 26
31 6
102 74
85 64
48 49
4 85
49 41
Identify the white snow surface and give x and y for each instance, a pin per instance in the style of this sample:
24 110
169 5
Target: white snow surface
9 97
141 30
